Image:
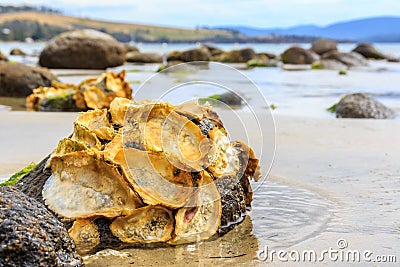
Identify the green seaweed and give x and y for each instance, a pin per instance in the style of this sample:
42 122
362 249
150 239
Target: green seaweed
272 107
134 70
332 109
317 65
161 68
342 72
18 175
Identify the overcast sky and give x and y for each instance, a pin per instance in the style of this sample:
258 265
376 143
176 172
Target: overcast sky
256 13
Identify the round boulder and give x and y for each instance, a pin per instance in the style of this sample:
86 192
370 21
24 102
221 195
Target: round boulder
297 55
30 235
352 59
362 106
17 52
83 49
368 51
18 80
197 54
321 46
237 56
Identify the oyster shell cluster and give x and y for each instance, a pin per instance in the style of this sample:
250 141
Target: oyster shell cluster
149 172
92 93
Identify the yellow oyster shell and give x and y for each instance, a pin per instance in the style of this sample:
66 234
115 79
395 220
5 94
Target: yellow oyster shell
155 179
97 122
149 224
201 219
85 235
85 184
85 136
118 108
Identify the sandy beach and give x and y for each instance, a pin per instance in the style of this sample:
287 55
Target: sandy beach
331 179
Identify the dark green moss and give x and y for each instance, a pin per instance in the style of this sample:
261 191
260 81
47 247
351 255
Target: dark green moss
18 175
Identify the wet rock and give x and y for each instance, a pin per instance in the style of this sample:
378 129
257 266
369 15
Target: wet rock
83 49
17 52
265 56
369 51
322 46
362 106
3 57
197 54
137 57
237 56
214 51
298 56
30 235
352 59
18 80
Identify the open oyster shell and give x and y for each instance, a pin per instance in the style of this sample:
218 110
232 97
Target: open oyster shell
149 224
97 122
85 184
201 219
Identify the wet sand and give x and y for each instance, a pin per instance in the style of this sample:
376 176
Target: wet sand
331 179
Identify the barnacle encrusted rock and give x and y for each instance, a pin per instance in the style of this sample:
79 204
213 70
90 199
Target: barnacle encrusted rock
30 235
143 173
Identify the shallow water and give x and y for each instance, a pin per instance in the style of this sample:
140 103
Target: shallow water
281 216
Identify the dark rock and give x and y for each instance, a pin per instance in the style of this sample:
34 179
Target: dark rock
331 64
231 98
3 57
214 51
30 235
322 46
174 56
137 57
362 106
237 56
233 200
83 49
17 52
368 51
18 80
265 56
352 59
197 54
297 55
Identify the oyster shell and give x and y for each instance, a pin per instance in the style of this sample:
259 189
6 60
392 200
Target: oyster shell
118 108
201 219
85 136
149 224
85 184
155 179
85 235
97 122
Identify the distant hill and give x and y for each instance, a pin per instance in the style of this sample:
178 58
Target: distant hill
19 23
44 26
378 29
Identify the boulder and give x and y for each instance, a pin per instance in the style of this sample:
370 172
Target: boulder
362 106
298 56
3 57
174 56
237 56
32 236
322 46
137 57
214 51
352 59
17 52
265 56
197 54
82 49
18 80
368 51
